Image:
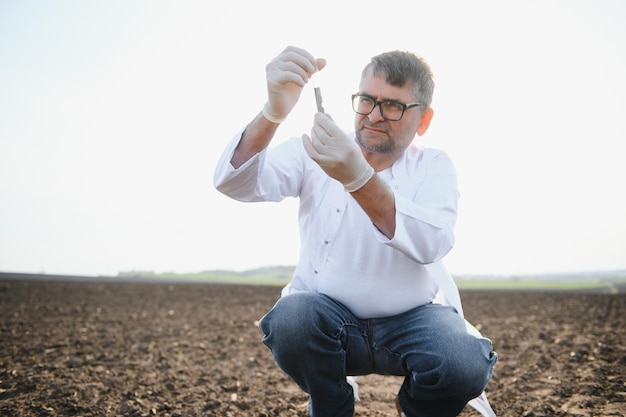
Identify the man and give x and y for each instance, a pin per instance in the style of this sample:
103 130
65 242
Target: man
369 294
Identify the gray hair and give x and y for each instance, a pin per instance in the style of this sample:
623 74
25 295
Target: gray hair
400 67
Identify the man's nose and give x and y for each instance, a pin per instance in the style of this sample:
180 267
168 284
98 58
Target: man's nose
376 115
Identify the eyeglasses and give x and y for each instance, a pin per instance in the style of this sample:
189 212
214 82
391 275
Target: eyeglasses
389 109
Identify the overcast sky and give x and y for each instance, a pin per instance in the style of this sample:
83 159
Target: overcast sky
114 113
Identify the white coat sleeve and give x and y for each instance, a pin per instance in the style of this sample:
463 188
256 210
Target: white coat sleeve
270 175
426 217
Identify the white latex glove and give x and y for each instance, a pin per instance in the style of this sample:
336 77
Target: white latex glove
287 74
337 154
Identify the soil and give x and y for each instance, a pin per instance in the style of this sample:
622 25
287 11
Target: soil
76 348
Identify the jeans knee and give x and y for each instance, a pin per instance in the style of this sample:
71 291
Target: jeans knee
462 374
475 369
288 321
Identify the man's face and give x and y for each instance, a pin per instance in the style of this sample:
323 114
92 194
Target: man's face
373 132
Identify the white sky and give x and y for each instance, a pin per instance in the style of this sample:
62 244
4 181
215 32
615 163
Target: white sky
113 115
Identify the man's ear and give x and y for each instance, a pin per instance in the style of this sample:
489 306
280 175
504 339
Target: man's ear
427 116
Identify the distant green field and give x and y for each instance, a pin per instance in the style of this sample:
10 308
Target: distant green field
279 276
268 276
607 282
534 285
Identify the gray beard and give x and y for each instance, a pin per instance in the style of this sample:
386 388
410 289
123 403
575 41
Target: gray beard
387 147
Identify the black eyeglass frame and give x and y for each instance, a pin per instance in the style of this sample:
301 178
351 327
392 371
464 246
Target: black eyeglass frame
379 104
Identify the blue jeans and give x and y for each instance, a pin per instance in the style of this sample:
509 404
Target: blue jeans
318 342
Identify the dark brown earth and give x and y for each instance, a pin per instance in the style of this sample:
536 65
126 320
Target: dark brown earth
143 349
